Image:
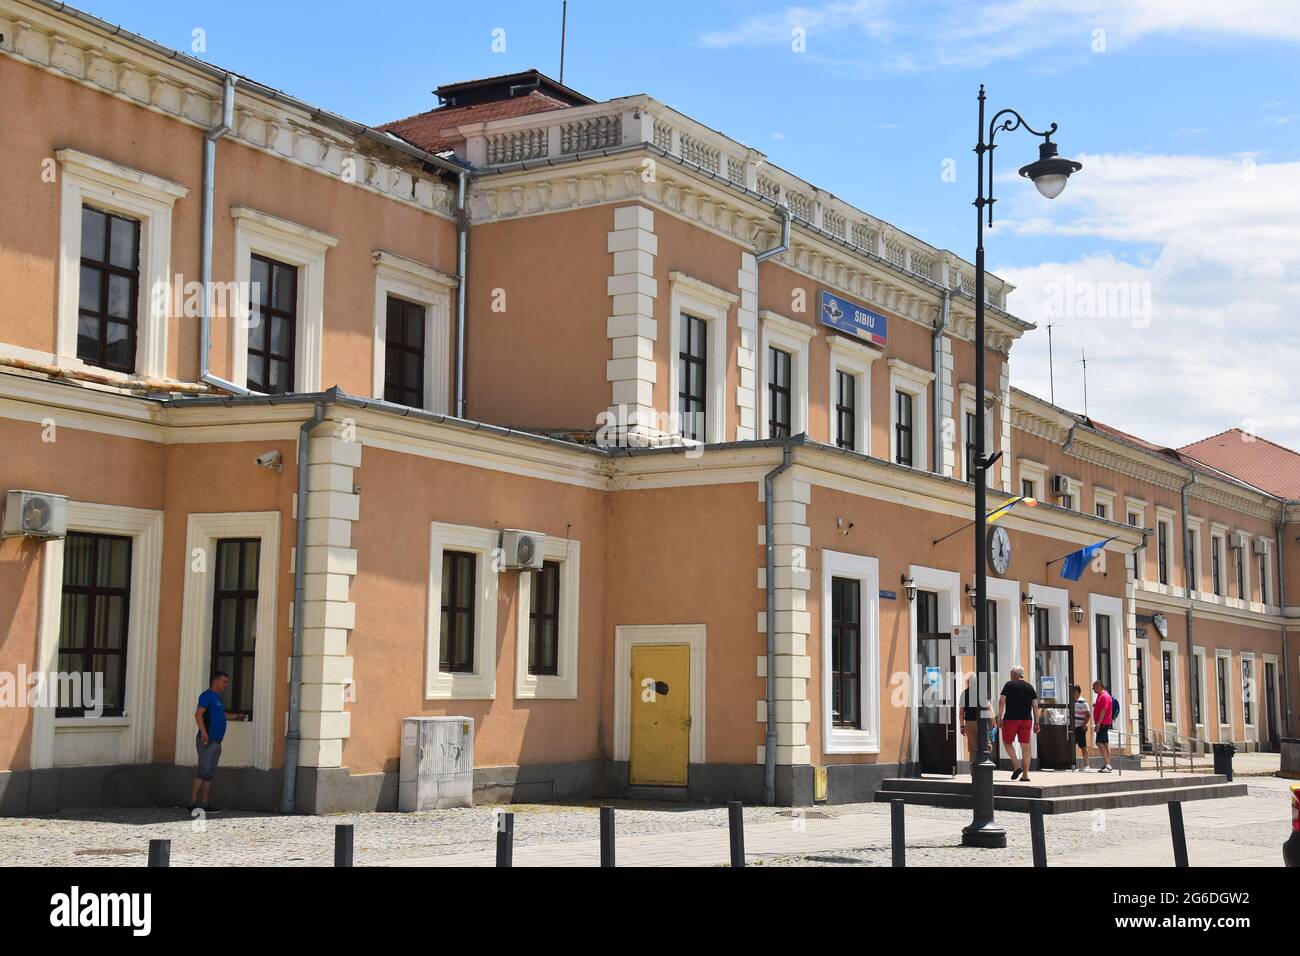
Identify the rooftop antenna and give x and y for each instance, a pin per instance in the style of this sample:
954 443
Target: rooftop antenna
1051 367
1084 362
564 26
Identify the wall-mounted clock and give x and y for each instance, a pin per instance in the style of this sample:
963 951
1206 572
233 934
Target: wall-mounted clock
999 547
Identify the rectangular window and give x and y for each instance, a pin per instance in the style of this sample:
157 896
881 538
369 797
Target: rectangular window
544 621
1167 678
927 612
903 428
271 317
109 291
1216 565
456 644
404 354
778 393
1263 579
846 404
846 642
94 617
1102 510
1221 672
1026 487
1162 551
1104 672
234 620
1196 688
1248 690
693 360
1042 626
1134 521
970 446
1241 574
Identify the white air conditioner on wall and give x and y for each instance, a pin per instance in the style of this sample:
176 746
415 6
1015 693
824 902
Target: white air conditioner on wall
522 550
1259 546
37 514
1240 539
1062 485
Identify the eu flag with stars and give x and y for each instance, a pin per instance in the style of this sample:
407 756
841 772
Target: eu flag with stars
1075 563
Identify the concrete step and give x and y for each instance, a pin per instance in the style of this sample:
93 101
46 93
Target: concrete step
1136 797
656 793
1083 784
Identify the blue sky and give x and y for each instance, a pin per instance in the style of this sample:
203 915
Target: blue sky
1173 258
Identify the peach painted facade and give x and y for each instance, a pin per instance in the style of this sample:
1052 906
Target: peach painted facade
581 266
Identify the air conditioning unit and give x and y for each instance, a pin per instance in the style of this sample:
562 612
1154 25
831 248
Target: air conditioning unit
1259 546
1062 485
1240 539
522 550
36 514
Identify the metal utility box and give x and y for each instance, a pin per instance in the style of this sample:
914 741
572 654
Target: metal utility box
437 770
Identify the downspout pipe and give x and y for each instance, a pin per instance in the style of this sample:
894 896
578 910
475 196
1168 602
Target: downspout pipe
1281 603
769 738
205 262
781 246
289 784
462 274
1189 568
936 407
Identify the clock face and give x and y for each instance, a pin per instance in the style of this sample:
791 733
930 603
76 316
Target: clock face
1000 550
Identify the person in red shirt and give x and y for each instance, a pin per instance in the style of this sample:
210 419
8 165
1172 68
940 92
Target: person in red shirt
1101 721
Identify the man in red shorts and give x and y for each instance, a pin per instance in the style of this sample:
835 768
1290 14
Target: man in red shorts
1017 719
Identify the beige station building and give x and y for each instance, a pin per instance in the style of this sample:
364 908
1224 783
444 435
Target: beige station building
492 413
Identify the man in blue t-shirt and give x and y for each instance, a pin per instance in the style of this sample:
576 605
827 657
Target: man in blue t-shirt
211 718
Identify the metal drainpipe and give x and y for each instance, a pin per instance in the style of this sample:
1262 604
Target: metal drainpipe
289 784
462 259
1281 603
1188 571
936 407
205 262
769 739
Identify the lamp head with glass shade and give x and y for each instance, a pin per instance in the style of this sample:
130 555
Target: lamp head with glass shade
1050 173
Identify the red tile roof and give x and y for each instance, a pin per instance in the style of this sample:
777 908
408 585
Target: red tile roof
436 129
1141 442
1254 460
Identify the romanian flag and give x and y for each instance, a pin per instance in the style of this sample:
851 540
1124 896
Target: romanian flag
1006 507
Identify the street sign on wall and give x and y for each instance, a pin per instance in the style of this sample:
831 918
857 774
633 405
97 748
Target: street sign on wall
857 320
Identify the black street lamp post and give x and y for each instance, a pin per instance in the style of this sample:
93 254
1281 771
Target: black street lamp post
1049 175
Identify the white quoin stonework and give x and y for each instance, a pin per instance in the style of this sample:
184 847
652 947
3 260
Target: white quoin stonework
328 615
746 362
793 624
1004 432
948 441
631 325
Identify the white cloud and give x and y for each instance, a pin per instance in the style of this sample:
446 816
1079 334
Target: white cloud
1194 335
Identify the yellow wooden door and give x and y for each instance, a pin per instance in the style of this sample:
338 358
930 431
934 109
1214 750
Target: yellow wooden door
661 714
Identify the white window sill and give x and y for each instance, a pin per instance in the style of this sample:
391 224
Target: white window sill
852 742
91 723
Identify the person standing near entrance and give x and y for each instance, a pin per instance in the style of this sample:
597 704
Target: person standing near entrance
211 718
1103 714
1081 717
1018 720
970 712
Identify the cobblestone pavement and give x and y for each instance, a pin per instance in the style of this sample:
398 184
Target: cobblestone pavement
1245 830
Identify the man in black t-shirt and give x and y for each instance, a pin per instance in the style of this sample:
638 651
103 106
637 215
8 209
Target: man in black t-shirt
1017 717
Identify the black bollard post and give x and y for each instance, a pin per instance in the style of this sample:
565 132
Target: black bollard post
1036 833
606 836
897 835
160 852
1179 834
343 844
505 839
736 822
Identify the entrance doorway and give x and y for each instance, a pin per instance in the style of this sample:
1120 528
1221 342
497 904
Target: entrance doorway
660 698
1270 705
1142 695
936 735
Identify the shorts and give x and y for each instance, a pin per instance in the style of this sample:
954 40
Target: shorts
1103 733
1081 737
1013 730
208 757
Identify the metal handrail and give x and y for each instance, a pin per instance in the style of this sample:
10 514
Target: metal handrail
1162 737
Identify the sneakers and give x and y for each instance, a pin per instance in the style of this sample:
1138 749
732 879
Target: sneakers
1015 774
211 809
191 808
1105 769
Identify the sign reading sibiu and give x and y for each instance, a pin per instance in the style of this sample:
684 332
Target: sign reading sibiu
857 320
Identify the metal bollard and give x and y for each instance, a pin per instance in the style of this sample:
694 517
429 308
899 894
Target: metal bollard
343 844
1179 834
505 839
606 836
1036 834
736 823
897 835
160 852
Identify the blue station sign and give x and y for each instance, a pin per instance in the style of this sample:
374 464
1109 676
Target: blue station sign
857 320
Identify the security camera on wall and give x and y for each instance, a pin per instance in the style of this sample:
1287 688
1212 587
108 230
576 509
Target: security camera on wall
271 459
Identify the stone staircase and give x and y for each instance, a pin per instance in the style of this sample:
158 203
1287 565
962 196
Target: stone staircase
1087 792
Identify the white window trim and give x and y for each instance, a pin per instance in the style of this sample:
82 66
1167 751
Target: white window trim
702 301
844 740
1250 728
1028 470
145 528
1175 683
1005 594
138 195
625 638
1165 517
1226 655
296 245
990 420
1195 536
1263 606
1219 542
914 381
1242 555
1199 653
855 359
201 536
792 337
424 285
948 586
1114 682
563 685
1262 680
1139 507
1104 496
481 684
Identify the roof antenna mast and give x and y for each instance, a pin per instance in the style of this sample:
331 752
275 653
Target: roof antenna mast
1084 361
1051 366
564 25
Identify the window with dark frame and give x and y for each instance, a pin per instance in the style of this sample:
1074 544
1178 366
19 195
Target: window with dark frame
94 618
1104 672
1221 669
108 296
1100 508
970 446
903 428
1196 689
1241 574
1027 487
778 393
234 620
846 410
272 314
1216 565
1263 579
1247 691
404 353
846 652
927 612
692 377
544 621
1139 552
1167 678
456 634
1162 551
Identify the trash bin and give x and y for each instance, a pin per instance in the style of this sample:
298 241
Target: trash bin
1223 760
